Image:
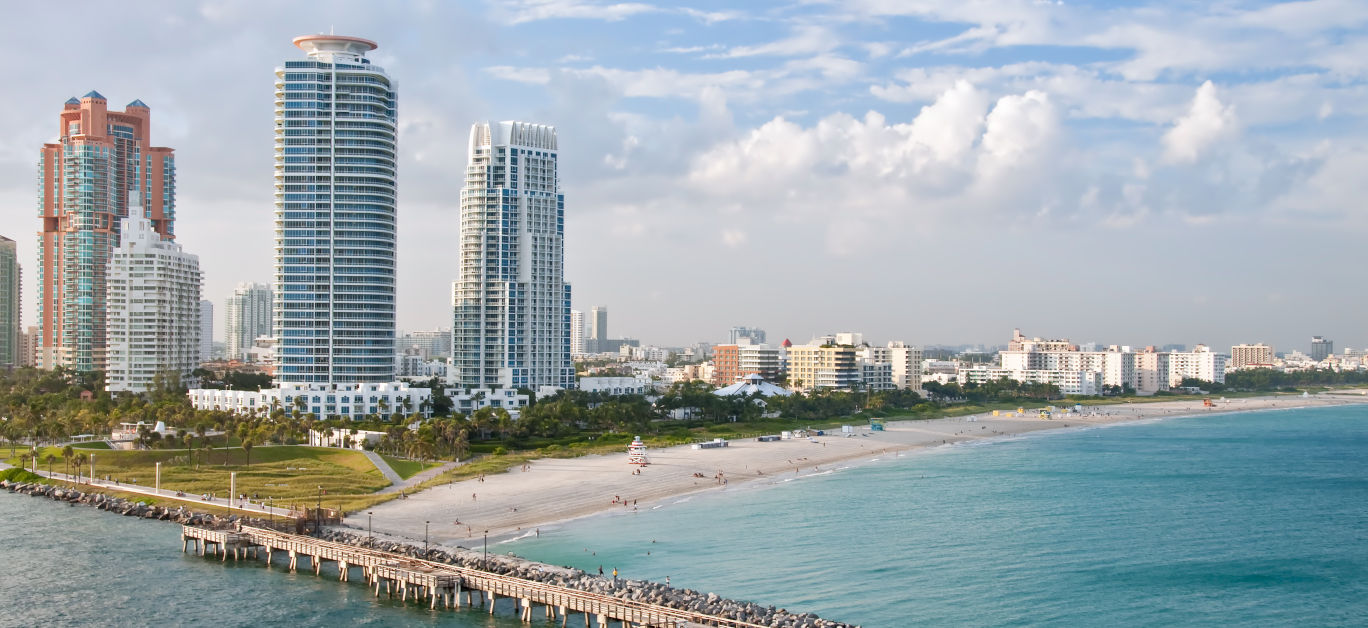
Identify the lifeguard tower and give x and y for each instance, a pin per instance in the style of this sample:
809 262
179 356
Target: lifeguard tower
636 452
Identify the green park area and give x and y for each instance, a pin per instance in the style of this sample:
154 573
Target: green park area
288 474
408 468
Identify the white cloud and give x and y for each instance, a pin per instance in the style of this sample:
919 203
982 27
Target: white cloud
1018 127
522 11
807 39
713 17
1207 122
733 237
531 76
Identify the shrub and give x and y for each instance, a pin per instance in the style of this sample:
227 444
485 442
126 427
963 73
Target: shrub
16 474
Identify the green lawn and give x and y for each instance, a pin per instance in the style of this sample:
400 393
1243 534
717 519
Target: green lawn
407 468
95 444
290 474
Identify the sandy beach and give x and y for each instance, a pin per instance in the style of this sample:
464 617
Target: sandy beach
552 490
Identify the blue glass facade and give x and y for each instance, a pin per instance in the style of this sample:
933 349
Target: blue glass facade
335 192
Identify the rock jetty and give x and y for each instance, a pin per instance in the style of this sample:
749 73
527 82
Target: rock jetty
636 590
125 507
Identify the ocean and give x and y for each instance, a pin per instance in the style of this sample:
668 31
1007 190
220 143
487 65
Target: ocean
1256 518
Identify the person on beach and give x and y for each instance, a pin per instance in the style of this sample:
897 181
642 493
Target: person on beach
600 570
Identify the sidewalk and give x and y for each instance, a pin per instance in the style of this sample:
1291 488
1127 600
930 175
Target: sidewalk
384 468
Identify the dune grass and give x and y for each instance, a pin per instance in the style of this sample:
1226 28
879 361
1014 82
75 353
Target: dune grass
408 468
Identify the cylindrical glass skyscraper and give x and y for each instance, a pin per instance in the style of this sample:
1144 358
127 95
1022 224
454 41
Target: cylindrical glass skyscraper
335 167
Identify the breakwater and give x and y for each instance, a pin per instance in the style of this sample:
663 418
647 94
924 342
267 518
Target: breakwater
630 593
120 505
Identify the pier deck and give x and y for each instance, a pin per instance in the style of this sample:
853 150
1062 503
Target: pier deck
443 584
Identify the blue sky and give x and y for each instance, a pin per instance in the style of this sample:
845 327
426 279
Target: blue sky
934 171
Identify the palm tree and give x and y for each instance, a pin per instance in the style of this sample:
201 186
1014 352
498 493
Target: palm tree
67 453
80 462
461 444
49 459
189 449
247 448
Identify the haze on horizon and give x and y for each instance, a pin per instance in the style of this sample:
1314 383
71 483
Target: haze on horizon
937 172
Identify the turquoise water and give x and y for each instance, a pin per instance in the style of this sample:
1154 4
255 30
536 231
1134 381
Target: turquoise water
1248 519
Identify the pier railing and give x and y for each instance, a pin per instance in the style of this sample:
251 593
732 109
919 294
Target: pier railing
442 583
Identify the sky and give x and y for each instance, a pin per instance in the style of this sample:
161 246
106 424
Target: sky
936 171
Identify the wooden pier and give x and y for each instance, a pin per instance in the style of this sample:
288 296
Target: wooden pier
441 584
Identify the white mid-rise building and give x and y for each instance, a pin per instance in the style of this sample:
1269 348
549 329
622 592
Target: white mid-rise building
468 401
431 343
324 401
153 309
511 304
905 363
1200 363
1082 383
638 385
876 375
1151 371
246 316
416 365
1251 356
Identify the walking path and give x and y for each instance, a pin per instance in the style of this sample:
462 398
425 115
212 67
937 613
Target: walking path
246 505
384 468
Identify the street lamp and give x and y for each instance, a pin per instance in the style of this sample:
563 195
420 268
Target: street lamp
318 511
370 528
484 561
425 538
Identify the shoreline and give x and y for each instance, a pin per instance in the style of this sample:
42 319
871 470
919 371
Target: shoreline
552 491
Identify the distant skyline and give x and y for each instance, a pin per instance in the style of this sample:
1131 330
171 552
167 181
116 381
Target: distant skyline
937 172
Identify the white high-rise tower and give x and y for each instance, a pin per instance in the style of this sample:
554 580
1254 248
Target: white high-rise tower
576 333
511 303
153 309
335 163
246 315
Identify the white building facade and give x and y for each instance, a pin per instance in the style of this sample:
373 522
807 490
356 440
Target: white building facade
153 309
324 401
638 385
576 333
1082 383
511 305
1251 356
1200 363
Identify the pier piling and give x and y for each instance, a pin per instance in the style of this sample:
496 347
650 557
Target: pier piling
443 583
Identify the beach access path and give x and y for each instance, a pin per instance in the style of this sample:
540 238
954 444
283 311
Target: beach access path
551 490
